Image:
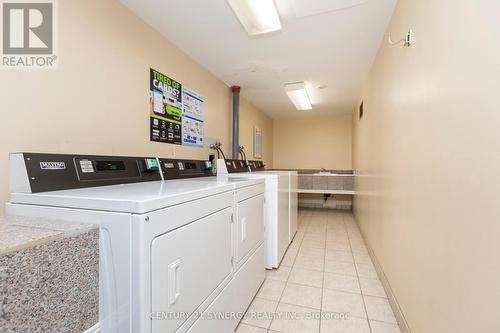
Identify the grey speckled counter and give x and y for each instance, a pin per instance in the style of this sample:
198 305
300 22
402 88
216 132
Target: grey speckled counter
49 275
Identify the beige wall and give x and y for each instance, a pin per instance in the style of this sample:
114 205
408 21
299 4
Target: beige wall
313 142
428 154
97 100
252 117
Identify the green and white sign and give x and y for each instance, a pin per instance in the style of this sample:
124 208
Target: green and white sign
176 113
165 109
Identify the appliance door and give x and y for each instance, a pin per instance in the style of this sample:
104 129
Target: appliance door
187 266
235 298
293 205
249 226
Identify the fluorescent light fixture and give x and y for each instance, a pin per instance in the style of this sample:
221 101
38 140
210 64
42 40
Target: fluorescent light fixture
298 95
257 16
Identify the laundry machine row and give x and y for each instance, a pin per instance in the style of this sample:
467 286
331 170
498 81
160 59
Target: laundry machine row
280 203
175 254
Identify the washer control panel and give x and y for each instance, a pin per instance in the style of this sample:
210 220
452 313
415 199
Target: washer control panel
257 165
35 172
180 168
235 166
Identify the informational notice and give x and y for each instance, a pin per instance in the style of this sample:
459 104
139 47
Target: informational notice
177 114
165 98
193 107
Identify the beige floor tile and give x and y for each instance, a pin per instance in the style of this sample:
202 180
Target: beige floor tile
301 323
318 237
339 301
338 246
298 239
306 277
260 313
379 327
305 296
372 287
337 233
295 246
312 263
379 309
338 267
271 290
331 241
359 248
280 274
362 258
289 258
316 229
335 223
351 325
311 251
311 256
249 329
366 271
313 243
337 255
341 282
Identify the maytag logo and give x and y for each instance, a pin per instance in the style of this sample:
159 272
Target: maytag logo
52 165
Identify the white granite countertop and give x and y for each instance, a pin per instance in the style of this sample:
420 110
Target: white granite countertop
18 232
49 275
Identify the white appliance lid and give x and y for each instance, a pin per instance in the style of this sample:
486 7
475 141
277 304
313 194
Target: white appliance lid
236 182
136 198
251 175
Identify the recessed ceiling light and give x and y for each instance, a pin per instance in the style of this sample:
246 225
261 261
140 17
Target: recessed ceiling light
298 95
257 16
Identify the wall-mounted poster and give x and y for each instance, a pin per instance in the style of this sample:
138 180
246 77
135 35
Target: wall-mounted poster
165 109
177 114
193 117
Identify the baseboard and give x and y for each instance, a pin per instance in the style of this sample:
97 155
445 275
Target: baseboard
398 313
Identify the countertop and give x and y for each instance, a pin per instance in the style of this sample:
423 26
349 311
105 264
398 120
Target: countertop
49 275
18 232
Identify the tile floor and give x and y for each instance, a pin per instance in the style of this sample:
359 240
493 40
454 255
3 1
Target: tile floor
326 283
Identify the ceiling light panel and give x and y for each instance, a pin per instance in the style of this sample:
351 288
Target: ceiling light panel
256 16
298 95
304 8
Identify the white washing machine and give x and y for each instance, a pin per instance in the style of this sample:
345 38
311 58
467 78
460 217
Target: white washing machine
293 200
166 248
277 221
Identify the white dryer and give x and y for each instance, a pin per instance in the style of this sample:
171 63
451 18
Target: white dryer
277 222
166 251
248 239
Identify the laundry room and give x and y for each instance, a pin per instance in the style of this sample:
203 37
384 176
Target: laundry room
249 166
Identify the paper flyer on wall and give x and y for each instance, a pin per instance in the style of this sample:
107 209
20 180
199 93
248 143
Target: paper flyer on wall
177 114
193 118
165 109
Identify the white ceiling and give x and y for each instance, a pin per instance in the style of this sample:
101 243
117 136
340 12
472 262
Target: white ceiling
320 44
